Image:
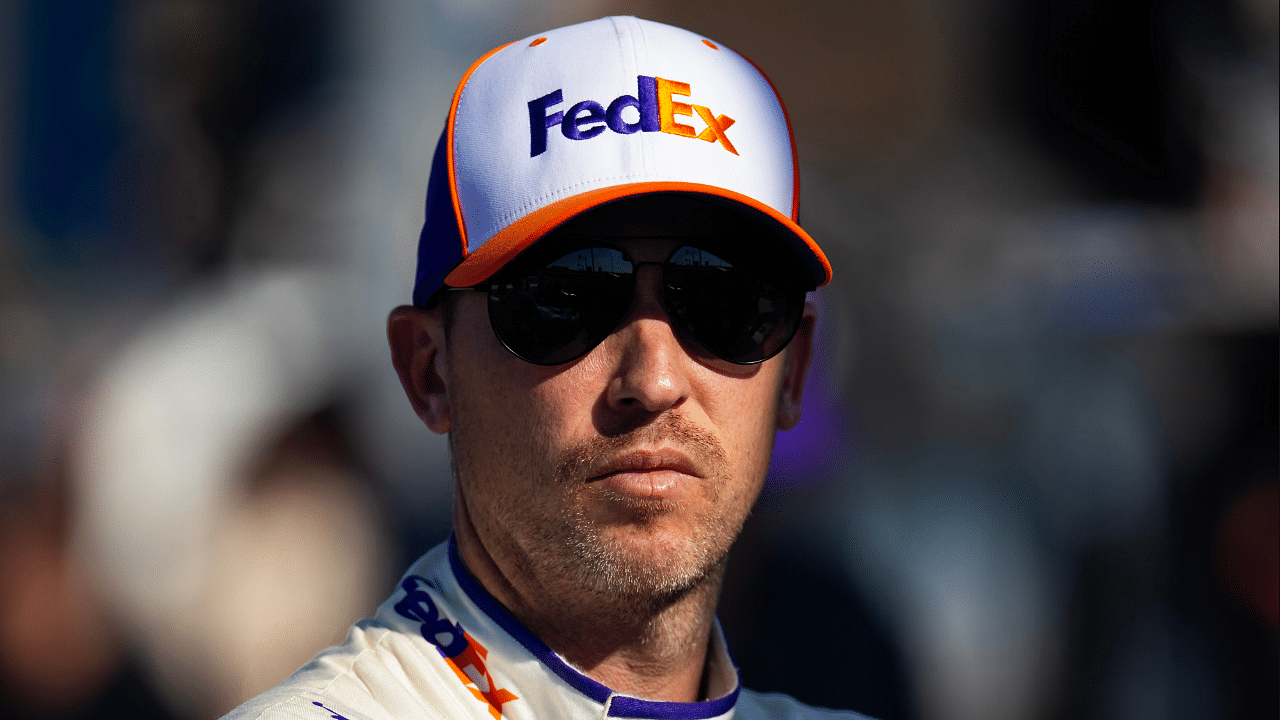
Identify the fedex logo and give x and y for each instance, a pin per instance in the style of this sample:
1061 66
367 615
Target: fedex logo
654 103
465 656
333 715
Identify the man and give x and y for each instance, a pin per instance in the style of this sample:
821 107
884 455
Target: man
610 323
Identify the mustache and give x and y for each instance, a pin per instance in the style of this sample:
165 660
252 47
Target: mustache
669 430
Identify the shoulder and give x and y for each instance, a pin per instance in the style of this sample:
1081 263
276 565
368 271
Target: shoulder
369 677
293 707
381 672
775 706
322 689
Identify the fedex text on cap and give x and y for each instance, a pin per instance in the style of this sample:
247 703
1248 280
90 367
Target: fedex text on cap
653 101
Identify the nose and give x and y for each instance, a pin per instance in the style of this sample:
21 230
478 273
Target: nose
651 374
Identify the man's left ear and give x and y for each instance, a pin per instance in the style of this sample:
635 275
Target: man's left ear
799 354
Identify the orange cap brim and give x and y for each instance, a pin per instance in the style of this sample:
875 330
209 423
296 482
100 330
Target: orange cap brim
499 250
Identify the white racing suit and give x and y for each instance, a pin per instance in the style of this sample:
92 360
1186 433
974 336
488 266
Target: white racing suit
443 648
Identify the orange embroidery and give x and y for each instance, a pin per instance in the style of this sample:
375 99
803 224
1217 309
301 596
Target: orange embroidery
667 109
716 125
710 44
469 666
539 41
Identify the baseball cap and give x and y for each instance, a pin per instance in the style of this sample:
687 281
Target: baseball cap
545 128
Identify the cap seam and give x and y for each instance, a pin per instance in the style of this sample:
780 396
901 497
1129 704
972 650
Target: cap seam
642 40
450 127
634 30
791 137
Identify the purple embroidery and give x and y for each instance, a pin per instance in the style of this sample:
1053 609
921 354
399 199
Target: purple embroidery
332 714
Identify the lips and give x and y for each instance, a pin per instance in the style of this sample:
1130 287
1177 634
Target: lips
643 462
647 477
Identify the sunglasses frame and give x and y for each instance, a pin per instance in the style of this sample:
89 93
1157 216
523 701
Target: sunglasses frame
542 258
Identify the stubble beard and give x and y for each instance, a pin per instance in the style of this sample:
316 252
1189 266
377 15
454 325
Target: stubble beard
647 577
574 558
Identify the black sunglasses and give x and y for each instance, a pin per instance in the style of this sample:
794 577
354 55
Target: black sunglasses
560 303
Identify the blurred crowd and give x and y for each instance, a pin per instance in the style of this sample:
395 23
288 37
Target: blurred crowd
1037 471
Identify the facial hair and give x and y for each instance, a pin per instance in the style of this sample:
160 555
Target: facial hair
581 551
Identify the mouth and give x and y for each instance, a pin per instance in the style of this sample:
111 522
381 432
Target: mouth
642 474
645 461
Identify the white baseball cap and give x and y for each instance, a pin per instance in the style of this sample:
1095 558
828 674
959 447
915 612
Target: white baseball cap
548 127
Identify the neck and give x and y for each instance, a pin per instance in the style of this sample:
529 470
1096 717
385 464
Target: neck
652 648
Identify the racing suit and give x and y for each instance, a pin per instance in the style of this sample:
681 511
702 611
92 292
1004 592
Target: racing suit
443 648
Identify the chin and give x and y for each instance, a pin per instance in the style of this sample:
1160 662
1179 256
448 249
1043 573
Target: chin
646 563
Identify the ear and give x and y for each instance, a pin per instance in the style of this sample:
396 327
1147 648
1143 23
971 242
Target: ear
418 353
799 354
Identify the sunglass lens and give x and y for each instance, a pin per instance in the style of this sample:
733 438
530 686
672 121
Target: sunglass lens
561 311
733 312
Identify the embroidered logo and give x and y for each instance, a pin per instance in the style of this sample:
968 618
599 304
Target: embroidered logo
332 714
654 102
465 656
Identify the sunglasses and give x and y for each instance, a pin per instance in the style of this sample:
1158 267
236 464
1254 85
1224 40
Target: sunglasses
561 303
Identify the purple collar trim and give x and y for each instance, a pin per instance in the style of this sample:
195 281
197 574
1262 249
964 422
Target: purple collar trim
622 705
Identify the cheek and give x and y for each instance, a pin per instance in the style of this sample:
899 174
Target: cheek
493 435
518 417
758 438
508 416
746 415
563 402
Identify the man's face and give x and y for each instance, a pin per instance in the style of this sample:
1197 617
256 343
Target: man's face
626 473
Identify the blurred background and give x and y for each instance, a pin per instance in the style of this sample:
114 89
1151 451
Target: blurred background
1037 473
